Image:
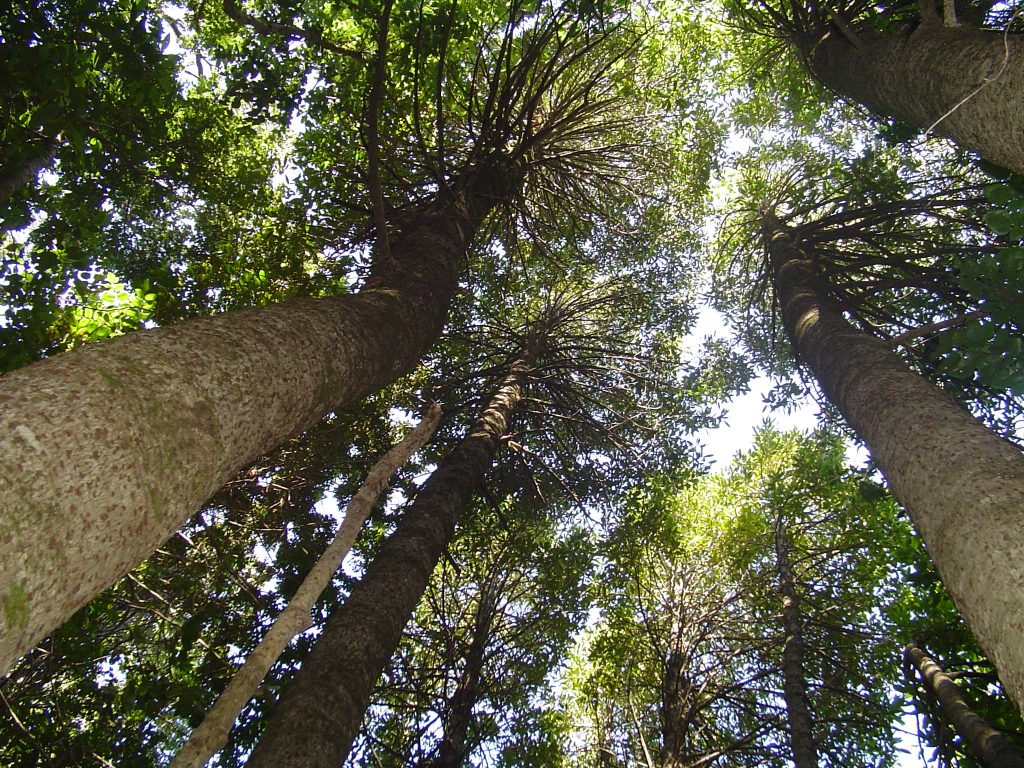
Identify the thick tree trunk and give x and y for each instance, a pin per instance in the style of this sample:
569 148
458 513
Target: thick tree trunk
320 712
106 450
962 485
986 742
794 686
921 75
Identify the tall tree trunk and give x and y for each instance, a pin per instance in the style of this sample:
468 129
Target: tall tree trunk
794 686
210 736
452 749
320 712
973 79
676 711
106 450
986 742
678 692
962 485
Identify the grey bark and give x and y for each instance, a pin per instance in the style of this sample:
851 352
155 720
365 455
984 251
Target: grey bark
794 685
962 485
920 75
987 743
319 714
105 451
677 692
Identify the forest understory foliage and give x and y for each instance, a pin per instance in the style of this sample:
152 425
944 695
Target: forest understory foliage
246 245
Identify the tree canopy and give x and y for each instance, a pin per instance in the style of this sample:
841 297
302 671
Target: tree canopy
245 244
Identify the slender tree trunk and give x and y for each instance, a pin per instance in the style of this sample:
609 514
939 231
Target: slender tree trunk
962 485
986 742
106 450
798 709
976 76
452 749
676 708
11 180
320 712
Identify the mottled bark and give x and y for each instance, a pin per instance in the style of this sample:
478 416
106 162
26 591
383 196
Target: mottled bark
987 743
678 708
962 485
676 712
320 712
919 75
794 680
106 450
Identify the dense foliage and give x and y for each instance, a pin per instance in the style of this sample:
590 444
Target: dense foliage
608 600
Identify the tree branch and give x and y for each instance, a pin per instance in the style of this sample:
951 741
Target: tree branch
940 325
287 31
212 733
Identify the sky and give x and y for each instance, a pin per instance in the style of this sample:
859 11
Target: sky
746 412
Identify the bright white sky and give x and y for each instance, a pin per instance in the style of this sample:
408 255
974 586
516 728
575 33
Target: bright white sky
745 412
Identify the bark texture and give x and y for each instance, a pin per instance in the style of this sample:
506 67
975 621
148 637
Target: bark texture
962 485
105 451
677 709
319 714
919 75
794 685
988 743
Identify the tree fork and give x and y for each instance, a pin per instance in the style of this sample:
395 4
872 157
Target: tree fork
319 714
962 485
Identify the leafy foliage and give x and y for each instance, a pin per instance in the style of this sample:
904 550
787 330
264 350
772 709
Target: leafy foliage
160 163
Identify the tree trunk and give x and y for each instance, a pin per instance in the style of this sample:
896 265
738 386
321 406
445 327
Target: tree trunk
320 712
105 451
986 742
794 686
962 485
919 76
210 736
676 709
452 749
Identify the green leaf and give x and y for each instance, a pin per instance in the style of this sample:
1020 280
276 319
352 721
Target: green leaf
999 221
1000 194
